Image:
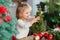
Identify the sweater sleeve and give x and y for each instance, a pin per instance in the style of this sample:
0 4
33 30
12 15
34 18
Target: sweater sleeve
24 25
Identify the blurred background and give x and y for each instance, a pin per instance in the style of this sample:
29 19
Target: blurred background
33 4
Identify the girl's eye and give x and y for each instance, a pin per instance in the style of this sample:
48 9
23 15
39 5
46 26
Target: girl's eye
27 13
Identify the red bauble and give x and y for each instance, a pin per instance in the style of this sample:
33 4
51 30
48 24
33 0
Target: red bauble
13 37
35 34
8 18
5 20
50 37
46 34
3 9
40 35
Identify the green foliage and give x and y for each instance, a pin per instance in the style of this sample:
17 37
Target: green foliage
57 3
53 15
50 7
57 6
39 26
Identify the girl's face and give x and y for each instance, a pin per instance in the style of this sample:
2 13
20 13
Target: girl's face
26 14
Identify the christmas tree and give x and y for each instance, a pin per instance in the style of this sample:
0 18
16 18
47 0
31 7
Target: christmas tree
53 19
53 15
39 26
7 29
56 19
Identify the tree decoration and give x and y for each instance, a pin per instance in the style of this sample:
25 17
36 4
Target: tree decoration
41 35
39 26
4 14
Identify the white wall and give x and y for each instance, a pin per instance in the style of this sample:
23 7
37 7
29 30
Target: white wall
14 9
33 4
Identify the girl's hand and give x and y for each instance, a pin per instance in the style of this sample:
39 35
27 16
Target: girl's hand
34 20
1 20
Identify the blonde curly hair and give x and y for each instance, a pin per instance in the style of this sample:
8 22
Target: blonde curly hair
21 8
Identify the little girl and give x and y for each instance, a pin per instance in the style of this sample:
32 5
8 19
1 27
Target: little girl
23 16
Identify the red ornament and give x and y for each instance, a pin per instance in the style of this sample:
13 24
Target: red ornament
3 9
46 34
13 37
8 18
40 35
4 14
50 37
35 34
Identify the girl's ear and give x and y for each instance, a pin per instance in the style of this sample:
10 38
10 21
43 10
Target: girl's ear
20 14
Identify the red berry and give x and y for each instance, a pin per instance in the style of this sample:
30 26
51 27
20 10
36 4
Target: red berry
13 37
8 18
